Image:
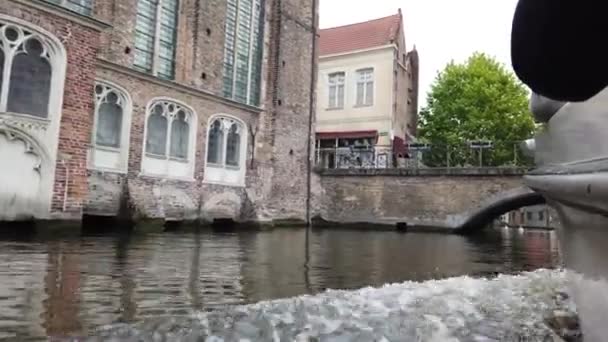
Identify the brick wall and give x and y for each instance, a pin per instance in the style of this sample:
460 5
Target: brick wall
276 177
390 197
285 129
152 197
81 44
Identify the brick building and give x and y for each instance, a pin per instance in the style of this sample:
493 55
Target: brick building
170 109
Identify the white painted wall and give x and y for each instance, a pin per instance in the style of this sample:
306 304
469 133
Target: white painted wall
20 180
33 137
351 117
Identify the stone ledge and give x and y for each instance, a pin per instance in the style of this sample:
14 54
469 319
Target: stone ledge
434 172
180 87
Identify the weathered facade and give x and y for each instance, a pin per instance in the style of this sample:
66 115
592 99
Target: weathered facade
177 110
436 198
368 94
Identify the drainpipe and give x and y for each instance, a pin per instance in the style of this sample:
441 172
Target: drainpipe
313 84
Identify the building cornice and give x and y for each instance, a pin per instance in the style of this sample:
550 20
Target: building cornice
68 14
354 52
105 64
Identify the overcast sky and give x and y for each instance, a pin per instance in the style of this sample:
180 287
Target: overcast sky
441 29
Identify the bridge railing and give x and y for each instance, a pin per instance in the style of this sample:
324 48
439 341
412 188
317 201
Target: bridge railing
471 155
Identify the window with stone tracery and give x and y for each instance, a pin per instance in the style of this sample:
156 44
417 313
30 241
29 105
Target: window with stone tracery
27 61
169 139
226 151
112 121
109 108
162 141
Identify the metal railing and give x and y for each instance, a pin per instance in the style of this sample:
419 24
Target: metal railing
497 154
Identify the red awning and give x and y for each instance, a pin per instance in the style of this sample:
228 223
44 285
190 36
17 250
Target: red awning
347 135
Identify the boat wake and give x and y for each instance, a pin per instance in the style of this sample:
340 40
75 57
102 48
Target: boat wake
505 308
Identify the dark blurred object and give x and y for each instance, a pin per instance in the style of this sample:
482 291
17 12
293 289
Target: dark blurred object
558 47
544 108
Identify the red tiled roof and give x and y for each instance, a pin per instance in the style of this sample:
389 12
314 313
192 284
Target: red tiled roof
359 36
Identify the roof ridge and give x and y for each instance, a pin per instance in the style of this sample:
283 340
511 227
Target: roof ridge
362 22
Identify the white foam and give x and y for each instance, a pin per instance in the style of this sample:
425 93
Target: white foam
457 309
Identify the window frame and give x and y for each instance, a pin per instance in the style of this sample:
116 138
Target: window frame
255 50
359 74
337 85
158 24
55 55
125 134
190 161
43 134
238 172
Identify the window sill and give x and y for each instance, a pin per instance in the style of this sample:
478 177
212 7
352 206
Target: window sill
233 185
107 148
227 167
334 108
363 105
165 158
179 160
25 120
28 117
155 156
107 170
167 177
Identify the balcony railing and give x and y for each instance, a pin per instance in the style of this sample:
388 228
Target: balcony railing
499 154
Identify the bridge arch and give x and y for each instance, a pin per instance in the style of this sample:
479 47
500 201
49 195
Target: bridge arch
490 209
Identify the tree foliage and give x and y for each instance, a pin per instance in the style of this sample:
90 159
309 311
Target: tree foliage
476 100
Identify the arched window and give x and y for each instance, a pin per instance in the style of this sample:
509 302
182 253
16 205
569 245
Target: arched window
27 60
156 139
226 151
215 143
109 109
170 135
112 122
233 143
179 136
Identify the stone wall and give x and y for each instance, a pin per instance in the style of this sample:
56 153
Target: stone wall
420 198
277 150
277 144
70 141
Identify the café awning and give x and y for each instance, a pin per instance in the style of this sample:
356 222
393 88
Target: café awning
347 135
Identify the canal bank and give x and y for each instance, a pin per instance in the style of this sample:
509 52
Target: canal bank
405 199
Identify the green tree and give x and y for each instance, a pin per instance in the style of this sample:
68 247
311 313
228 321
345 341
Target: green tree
476 100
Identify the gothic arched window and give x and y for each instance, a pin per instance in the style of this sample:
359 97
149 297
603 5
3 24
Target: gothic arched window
110 142
156 138
179 136
215 142
226 151
27 69
170 137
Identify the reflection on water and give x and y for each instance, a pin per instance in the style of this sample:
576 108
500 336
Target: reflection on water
72 286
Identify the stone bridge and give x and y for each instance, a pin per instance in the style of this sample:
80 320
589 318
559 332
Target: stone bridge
458 200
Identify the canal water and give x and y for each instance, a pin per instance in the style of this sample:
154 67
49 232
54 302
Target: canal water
281 285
